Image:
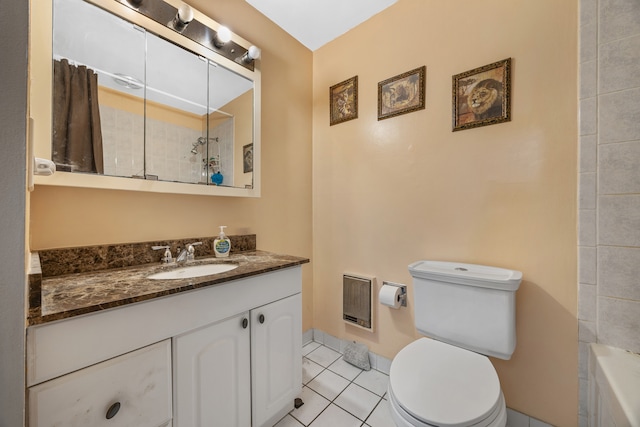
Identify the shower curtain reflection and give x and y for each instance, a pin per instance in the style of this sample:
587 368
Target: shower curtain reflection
77 137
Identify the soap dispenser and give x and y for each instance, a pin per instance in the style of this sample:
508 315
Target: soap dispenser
222 244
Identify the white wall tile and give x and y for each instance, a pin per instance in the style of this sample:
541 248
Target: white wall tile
373 360
619 272
318 336
588 153
587 265
618 19
383 365
583 360
307 336
587 194
587 227
584 394
588 116
619 166
588 42
619 64
618 116
619 220
587 302
583 421
619 323
588 79
332 342
587 331
588 12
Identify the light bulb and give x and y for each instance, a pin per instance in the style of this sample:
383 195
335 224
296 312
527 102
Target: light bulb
252 53
182 18
185 14
223 35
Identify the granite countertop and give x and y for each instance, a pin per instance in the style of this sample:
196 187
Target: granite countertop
80 293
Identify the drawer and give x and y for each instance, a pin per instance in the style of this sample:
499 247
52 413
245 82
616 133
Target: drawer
138 382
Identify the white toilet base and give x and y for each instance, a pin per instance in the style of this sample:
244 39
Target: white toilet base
402 419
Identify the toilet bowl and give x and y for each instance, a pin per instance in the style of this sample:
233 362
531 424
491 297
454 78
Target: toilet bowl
436 384
447 380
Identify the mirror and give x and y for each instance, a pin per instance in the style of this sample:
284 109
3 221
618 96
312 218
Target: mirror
150 108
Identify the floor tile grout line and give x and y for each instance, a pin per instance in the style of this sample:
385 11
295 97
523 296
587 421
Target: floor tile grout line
332 402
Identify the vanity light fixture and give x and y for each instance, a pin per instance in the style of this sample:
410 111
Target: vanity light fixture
178 19
222 37
182 18
252 54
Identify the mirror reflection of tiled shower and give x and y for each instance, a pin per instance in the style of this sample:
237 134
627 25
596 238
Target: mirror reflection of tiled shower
220 150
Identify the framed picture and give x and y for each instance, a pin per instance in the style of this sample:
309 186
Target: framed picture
482 96
247 158
343 101
401 94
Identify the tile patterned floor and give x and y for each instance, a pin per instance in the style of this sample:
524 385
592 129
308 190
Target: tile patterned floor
337 394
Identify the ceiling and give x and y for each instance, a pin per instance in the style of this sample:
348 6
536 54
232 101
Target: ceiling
316 22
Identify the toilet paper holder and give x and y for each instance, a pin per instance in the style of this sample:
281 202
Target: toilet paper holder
403 292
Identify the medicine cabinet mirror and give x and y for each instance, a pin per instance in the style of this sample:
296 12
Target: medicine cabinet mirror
136 105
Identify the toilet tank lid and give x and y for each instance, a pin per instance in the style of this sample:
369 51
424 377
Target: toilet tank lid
467 274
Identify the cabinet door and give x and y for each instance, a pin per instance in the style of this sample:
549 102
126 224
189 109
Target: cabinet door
276 359
212 375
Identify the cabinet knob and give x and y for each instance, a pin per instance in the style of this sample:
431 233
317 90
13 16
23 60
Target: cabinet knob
261 318
245 323
113 410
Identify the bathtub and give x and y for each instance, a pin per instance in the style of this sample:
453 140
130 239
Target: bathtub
614 387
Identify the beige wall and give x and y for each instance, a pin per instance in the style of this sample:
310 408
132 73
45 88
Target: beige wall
63 217
387 193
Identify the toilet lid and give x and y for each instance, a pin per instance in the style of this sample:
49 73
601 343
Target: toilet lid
444 385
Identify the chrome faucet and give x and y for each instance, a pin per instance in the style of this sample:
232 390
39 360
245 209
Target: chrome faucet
188 253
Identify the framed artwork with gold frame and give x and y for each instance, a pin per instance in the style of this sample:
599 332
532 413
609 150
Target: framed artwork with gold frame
402 94
343 101
482 96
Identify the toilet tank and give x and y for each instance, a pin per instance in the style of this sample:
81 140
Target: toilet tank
467 305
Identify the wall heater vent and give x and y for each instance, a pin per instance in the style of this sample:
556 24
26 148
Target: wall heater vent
357 300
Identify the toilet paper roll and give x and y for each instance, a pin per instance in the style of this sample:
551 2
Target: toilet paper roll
390 296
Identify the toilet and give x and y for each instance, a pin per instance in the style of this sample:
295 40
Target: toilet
447 380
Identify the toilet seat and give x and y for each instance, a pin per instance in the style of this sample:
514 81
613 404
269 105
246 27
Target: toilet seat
437 384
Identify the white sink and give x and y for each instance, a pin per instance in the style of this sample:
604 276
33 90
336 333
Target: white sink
193 271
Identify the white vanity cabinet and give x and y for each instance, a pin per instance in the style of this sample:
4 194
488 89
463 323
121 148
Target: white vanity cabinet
226 371
242 371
